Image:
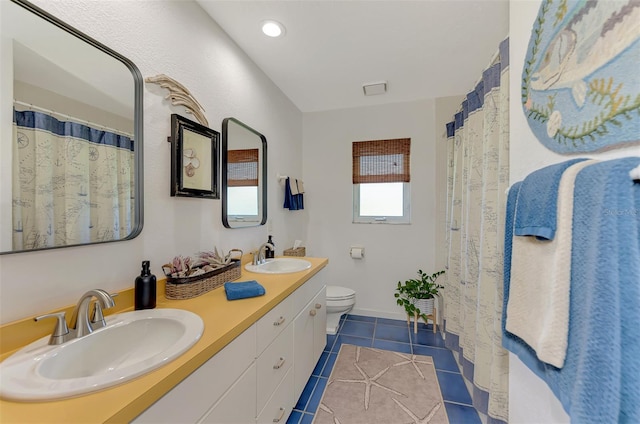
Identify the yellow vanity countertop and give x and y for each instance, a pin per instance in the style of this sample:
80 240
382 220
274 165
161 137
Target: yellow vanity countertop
223 321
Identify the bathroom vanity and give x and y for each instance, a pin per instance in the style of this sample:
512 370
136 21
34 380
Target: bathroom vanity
250 365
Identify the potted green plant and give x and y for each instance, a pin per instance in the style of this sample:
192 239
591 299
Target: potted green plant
417 295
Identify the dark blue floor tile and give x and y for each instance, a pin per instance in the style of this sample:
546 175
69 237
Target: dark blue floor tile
361 318
394 346
442 358
312 406
306 393
453 387
306 419
294 417
357 328
427 337
326 372
462 414
331 338
397 322
357 341
323 359
393 333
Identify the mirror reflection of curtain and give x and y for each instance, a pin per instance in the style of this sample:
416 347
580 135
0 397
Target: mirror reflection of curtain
478 175
242 182
72 184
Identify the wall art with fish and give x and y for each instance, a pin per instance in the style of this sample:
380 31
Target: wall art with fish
581 76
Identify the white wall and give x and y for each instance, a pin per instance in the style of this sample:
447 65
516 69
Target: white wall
530 400
180 40
392 252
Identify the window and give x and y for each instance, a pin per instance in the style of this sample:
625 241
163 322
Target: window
242 184
381 181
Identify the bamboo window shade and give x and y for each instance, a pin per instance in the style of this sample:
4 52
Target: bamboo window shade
382 161
242 168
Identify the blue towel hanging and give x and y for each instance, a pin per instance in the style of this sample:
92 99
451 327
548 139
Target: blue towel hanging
292 202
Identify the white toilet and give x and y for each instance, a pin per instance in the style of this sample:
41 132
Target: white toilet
340 300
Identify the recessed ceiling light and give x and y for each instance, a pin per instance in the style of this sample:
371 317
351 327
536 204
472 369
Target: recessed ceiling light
273 28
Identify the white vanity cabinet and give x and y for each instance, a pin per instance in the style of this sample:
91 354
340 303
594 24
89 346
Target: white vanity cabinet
195 396
259 375
310 336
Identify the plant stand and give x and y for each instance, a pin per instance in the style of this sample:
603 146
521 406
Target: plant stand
426 305
433 315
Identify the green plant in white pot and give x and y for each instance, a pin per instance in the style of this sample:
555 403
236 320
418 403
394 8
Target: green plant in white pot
417 295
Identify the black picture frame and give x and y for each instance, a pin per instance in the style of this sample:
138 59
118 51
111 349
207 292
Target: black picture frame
194 159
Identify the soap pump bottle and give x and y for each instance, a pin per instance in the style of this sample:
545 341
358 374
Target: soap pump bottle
270 253
145 288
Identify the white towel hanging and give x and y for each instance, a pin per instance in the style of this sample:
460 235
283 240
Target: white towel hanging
635 173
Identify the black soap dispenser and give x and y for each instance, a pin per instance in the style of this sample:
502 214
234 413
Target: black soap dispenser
270 253
145 289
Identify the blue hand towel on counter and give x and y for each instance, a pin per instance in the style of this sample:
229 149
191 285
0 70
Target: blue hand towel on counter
537 203
600 380
242 290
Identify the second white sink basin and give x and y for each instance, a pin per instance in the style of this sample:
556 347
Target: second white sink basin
279 266
132 344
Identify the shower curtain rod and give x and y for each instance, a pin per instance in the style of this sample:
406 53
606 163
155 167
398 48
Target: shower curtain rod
72 118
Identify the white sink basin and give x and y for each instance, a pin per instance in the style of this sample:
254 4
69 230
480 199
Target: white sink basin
132 344
279 266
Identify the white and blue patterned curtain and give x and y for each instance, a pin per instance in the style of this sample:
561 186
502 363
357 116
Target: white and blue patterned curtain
72 184
478 175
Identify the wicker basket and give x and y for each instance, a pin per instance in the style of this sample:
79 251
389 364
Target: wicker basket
300 251
190 287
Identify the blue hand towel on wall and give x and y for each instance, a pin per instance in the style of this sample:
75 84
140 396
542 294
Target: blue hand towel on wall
291 201
242 290
600 381
537 202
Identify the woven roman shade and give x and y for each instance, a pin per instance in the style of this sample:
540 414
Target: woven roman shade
381 161
242 168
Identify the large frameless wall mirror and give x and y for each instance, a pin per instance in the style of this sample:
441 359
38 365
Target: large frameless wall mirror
70 136
244 171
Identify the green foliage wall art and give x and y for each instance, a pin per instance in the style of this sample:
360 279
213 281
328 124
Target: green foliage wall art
581 76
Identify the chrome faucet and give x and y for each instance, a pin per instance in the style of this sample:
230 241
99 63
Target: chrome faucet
81 323
258 255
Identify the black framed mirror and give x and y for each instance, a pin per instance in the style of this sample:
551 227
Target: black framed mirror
194 159
71 152
244 175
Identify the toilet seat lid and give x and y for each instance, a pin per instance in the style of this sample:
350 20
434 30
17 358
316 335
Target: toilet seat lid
338 293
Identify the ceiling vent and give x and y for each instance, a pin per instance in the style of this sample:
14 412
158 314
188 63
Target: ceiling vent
375 88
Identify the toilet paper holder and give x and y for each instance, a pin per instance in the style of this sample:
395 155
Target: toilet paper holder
356 252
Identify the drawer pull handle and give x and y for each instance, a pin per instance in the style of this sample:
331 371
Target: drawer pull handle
277 420
318 306
279 364
312 312
280 321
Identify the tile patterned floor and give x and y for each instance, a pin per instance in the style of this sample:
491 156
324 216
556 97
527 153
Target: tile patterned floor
393 335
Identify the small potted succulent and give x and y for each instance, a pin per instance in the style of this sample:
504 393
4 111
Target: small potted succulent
417 295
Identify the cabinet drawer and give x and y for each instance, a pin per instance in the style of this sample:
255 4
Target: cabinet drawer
280 405
272 324
192 398
273 365
238 405
307 291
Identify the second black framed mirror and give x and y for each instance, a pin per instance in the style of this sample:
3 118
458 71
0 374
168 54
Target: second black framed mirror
244 172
